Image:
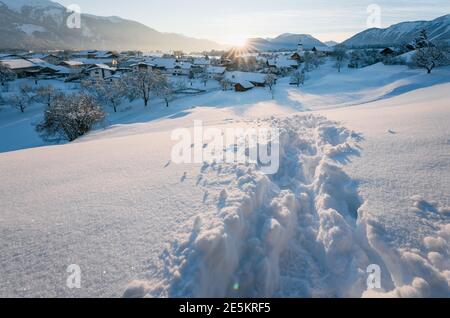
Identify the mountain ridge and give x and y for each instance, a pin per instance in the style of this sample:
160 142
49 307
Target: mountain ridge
438 30
41 25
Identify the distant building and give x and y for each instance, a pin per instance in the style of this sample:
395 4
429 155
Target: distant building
99 71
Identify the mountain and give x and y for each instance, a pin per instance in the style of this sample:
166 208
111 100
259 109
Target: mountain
331 43
438 31
287 41
42 24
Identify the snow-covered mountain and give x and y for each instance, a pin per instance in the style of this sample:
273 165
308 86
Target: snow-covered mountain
438 31
42 24
285 41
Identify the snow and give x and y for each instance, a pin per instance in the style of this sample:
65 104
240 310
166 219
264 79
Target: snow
18 64
17 5
29 29
363 179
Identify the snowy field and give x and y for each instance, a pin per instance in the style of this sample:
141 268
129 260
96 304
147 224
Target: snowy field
364 179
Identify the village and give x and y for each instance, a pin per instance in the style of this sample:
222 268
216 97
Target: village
235 69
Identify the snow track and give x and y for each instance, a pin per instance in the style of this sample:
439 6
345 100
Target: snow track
295 233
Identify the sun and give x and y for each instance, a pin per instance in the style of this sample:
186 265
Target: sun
238 41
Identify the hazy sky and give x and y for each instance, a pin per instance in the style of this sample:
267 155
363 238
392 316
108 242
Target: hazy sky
232 21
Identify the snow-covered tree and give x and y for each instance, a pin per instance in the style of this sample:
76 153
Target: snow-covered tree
226 84
298 78
429 57
69 117
311 61
141 84
204 76
422 40
270 80
22 99
6 75
45 94
109 93
164 88
340 56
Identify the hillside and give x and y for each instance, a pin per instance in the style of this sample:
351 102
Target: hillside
41 25
438 30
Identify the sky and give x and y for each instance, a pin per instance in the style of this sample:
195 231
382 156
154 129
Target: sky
233 21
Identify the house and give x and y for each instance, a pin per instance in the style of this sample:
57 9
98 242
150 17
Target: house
215 71
99 71
256 79
202 62
243 86
21 67
323 50
165 65
282 63
182 68
73 66
49 58
142 67
388 52
48 69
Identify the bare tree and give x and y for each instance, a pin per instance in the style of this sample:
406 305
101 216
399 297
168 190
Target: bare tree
69 117
164 88
110 93
298 78
45 94
340 56
204 76
141 84
226 84
429 57
22 99
6 75
270 80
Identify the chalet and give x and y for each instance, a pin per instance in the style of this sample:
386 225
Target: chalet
73 66
48 69
99 71
243 78
21 67
215 71
49 58
182 68
323 50
388 52
202 62
282 63
142 67
243 86
165 65
298 56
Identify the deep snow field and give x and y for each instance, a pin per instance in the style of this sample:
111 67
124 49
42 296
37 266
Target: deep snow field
364 179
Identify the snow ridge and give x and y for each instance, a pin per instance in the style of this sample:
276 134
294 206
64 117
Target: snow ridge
250 246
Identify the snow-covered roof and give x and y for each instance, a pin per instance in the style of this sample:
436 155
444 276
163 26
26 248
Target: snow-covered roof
202 61
73 63
94 61
216 70
184 65
239 77
101 66
164 62
43 64
18 64
282 61
246 84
